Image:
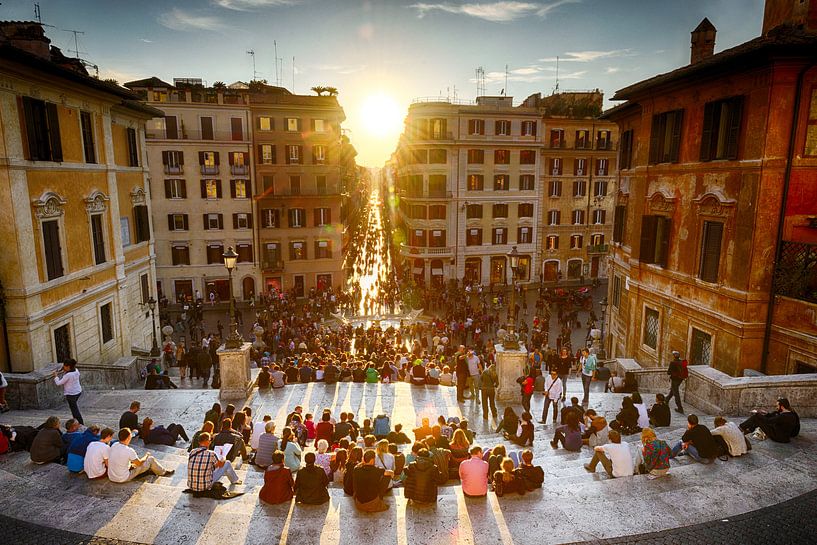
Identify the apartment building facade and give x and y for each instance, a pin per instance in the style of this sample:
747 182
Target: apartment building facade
78 267
300 164
200 155
715 240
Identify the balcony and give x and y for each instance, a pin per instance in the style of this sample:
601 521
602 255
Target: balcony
423 251
285 193
796 272
209 170
190 134
174 169
239 170
436 194
597 249
272 265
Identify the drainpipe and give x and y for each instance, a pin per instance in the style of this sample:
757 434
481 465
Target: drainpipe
798 95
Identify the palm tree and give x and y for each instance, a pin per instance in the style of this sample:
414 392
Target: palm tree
219 85
333 91
319 90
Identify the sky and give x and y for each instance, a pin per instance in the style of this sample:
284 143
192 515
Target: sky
381 55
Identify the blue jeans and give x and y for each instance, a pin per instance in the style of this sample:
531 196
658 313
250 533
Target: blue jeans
691 451
72 404
546 406
586 380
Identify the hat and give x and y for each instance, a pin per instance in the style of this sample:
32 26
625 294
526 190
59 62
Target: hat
676 353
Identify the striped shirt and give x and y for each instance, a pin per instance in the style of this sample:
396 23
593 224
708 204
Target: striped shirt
200 467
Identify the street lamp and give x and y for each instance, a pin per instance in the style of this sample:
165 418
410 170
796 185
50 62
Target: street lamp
603 306
234 339
154 350
511 342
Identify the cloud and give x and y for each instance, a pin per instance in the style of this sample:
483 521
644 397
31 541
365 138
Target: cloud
340 68
612 69
497 12
178 19
573 75
145 40
248 5
588 56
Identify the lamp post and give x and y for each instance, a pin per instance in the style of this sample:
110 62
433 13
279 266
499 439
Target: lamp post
603 306
154 350
511 342
233 339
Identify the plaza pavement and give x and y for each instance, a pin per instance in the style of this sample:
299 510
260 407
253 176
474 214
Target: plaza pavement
572 506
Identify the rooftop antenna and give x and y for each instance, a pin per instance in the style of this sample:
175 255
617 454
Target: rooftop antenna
76 41
251 53
556 89
293 74
480 81
505 91
277 79
37 13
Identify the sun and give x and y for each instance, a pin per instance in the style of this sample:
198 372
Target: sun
381 115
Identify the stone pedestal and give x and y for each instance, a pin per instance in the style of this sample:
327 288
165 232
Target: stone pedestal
236 380
510 365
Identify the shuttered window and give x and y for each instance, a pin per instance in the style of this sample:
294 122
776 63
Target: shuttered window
53 249
625 160
665 137
710 251
721 129
42 129
618 223
86 123
655 232
106 322
142 223
133 148
98 237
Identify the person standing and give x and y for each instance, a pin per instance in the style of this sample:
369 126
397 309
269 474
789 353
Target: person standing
564 363
487 383
677 372
474 370
553 392
71 387
588 371
462 373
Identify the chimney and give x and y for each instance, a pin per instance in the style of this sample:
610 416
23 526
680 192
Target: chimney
797 13
26 35
703 41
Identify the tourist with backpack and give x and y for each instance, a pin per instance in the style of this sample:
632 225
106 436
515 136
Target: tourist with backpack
678 372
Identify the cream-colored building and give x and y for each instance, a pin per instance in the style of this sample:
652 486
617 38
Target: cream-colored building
200 156
78 254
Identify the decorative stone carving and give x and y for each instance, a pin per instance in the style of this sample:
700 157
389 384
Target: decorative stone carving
49 205
714 204
137 196
661 202
622 198
96 202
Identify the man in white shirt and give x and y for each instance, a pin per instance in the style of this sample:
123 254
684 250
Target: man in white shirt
96 457
615 457
731 435
257 430
474 370
553 393
124 465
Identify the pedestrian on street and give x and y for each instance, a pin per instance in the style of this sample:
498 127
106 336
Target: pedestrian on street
462 373
588 371
487 383
71 387
553 391
203 363
677 372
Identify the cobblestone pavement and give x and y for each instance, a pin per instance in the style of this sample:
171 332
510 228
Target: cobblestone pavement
780 524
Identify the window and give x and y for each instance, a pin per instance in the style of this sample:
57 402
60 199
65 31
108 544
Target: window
106 322
209 161
297 217
415 185
124 229
599 216
597 239
267 154
42 130
173 162
98 238
502 182
320 185
552 242
555 166
323 249
576 242
526 182
417 237
294 185
270 218
524 235
62 342
242 221
437 156
625 160
554 217
319 154
502 157
557 138
177 222
437 128
476 156
583 139
721 129
618 223
319 125
500 235
476 182
810 148
700 352
437 212
133 148
418 212
419 157
236 128
206 128
272 254
473 211
665 137
602 167
244 252
600 189
476 126
87 126
213 221
579 167
527 157
500 211
215 254
297 251
436 185
578 217
579 188
529 128
238 189
555 189
473 237
142 223
238 162
171 127
616 291
603 140
525 210
144 287
53 249
211 189
266 123
294 155
650 335
655 231
293 124
711 238
180 255
420 128
502 127
436 238
323 216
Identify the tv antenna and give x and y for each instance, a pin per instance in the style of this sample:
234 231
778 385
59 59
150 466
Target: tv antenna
277 74
251 52
480 72
556 89
76 40
37 14
505 90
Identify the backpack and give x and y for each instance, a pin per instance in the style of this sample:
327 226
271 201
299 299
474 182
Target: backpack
684 371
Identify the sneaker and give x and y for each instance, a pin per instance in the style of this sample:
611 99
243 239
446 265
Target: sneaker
588 468
680 411
650 476
554 444
168 473
239 481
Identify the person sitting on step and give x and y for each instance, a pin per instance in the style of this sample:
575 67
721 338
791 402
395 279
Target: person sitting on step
697 442
311 482
124 465
659 413
779 426
159 435
615 457
532 475
204 468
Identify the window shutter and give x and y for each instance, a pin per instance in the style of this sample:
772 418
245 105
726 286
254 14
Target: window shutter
273 147
733 134
218 187
183 188
300 149
186 225
666 225
317 216
300 124
167 188
221 221
170 222
314 156
53 253
201 157
287 153
206 226
164 157
496 126
259 153
618 223
248 183
711 250
655 153
675 142
534 124
472 126
235 221
230 158
647 250
203 189
706 133
217 158
54 131
232 189
249 221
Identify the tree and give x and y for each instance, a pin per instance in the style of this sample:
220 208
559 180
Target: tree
319 90
333 91
219 85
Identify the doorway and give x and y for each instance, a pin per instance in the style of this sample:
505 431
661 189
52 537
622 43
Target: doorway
498 275
248 288
473 271
299 286
550 271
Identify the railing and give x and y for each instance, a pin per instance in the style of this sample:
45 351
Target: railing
195 134
175 169
796 271
302 193
209 170
239 169
426 250
443 100
597 249
426 194
272 265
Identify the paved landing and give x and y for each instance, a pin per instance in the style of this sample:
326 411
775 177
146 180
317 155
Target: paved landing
573 505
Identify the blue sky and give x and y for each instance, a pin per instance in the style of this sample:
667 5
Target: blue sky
398 49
